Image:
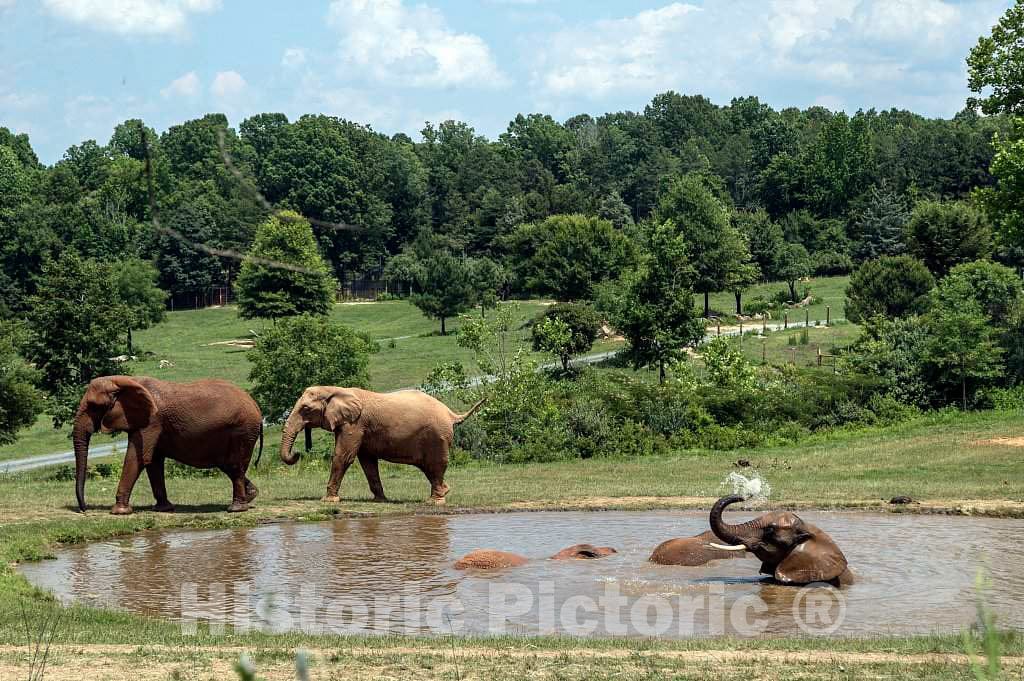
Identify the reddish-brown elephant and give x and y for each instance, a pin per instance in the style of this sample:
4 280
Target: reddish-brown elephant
206 424
691 551
791 550
408 427
489 559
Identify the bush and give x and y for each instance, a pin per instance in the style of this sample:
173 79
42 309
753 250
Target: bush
566 330
890 286
298 352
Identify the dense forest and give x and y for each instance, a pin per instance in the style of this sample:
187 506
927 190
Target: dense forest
820 179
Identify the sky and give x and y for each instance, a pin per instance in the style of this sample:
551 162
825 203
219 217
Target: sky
70 70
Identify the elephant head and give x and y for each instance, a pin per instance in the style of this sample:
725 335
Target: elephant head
319 406
584 551
791 550
111 404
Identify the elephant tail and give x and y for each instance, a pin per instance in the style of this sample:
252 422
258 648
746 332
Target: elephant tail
259 453
459 418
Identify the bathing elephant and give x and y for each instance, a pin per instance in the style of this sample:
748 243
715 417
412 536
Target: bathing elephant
489 559
691 551
206 424
791 550
402 427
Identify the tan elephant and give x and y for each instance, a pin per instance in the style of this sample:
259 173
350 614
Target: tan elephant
490 559
691 551
408 427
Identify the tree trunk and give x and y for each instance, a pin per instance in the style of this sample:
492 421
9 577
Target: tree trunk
792 291
739 302
129 341
661 372
443 331
707 303
963 383
565 363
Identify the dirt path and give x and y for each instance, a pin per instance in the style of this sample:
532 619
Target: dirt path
123 662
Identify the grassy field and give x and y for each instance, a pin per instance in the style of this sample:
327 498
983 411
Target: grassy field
831 291
950 462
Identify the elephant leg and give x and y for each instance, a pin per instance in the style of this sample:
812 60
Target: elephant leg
251 491
155 472
372 473
238 490
130 472
346 445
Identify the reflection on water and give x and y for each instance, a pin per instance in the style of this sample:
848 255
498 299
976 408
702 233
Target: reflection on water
915 574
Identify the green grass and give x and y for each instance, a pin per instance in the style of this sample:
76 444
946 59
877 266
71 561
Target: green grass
786 346
831 290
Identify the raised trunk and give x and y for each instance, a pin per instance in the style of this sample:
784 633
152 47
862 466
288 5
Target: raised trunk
731 534
291 429
80 436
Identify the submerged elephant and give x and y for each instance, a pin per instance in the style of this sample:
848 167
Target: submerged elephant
489 559
404 427
206 424
691 551
791 550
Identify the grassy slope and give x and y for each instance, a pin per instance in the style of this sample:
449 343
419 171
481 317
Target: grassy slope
831 290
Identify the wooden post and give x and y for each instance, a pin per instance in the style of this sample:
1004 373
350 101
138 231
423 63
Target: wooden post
764 344
828 315
764 325
785 320
819 355
718 323
794 355
741 329
807 317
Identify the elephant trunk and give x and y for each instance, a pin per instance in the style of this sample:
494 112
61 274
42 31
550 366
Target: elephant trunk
732 534
291 430
80 435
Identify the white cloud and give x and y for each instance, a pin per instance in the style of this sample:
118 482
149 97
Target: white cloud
186 86
869 52
131 16
293 57
395 44
228 85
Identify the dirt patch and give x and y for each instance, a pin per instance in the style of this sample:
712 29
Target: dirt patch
1001 442
236 343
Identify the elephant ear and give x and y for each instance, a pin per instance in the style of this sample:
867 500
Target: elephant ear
342 406
816 560
138 404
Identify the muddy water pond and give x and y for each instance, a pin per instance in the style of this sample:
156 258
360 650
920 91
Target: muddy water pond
915 574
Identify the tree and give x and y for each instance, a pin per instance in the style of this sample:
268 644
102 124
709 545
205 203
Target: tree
652 305
186 268
489 279
20 401
143 300
405 269
792 264
306 350
891 286
566 330
742 277
880 225
714 246
75 321
445 288
945 234
565 256
764 237
963 344
996 64
283 273
995 288
1003 202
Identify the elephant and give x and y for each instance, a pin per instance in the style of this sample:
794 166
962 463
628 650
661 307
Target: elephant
206 424
489 559
791 550
402 427
691 551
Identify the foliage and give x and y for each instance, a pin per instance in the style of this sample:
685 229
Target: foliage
945 234
135 280
727 367
75 320
489 280
565 330
892 286
792 264
446 378
306 350
995 288
879 226
995 65
962 345
20 401
283 274
445 287
405 269
652 305
1003 201
565 256
894 350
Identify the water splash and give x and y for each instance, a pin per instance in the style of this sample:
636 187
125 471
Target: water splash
755 489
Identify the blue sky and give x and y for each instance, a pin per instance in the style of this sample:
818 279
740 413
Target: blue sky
72 69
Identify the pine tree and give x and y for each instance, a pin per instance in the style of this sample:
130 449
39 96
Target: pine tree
880 225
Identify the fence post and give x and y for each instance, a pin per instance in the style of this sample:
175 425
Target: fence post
807 317
785 321
828 315
741 330
764 324
819 355
718 324
764 344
